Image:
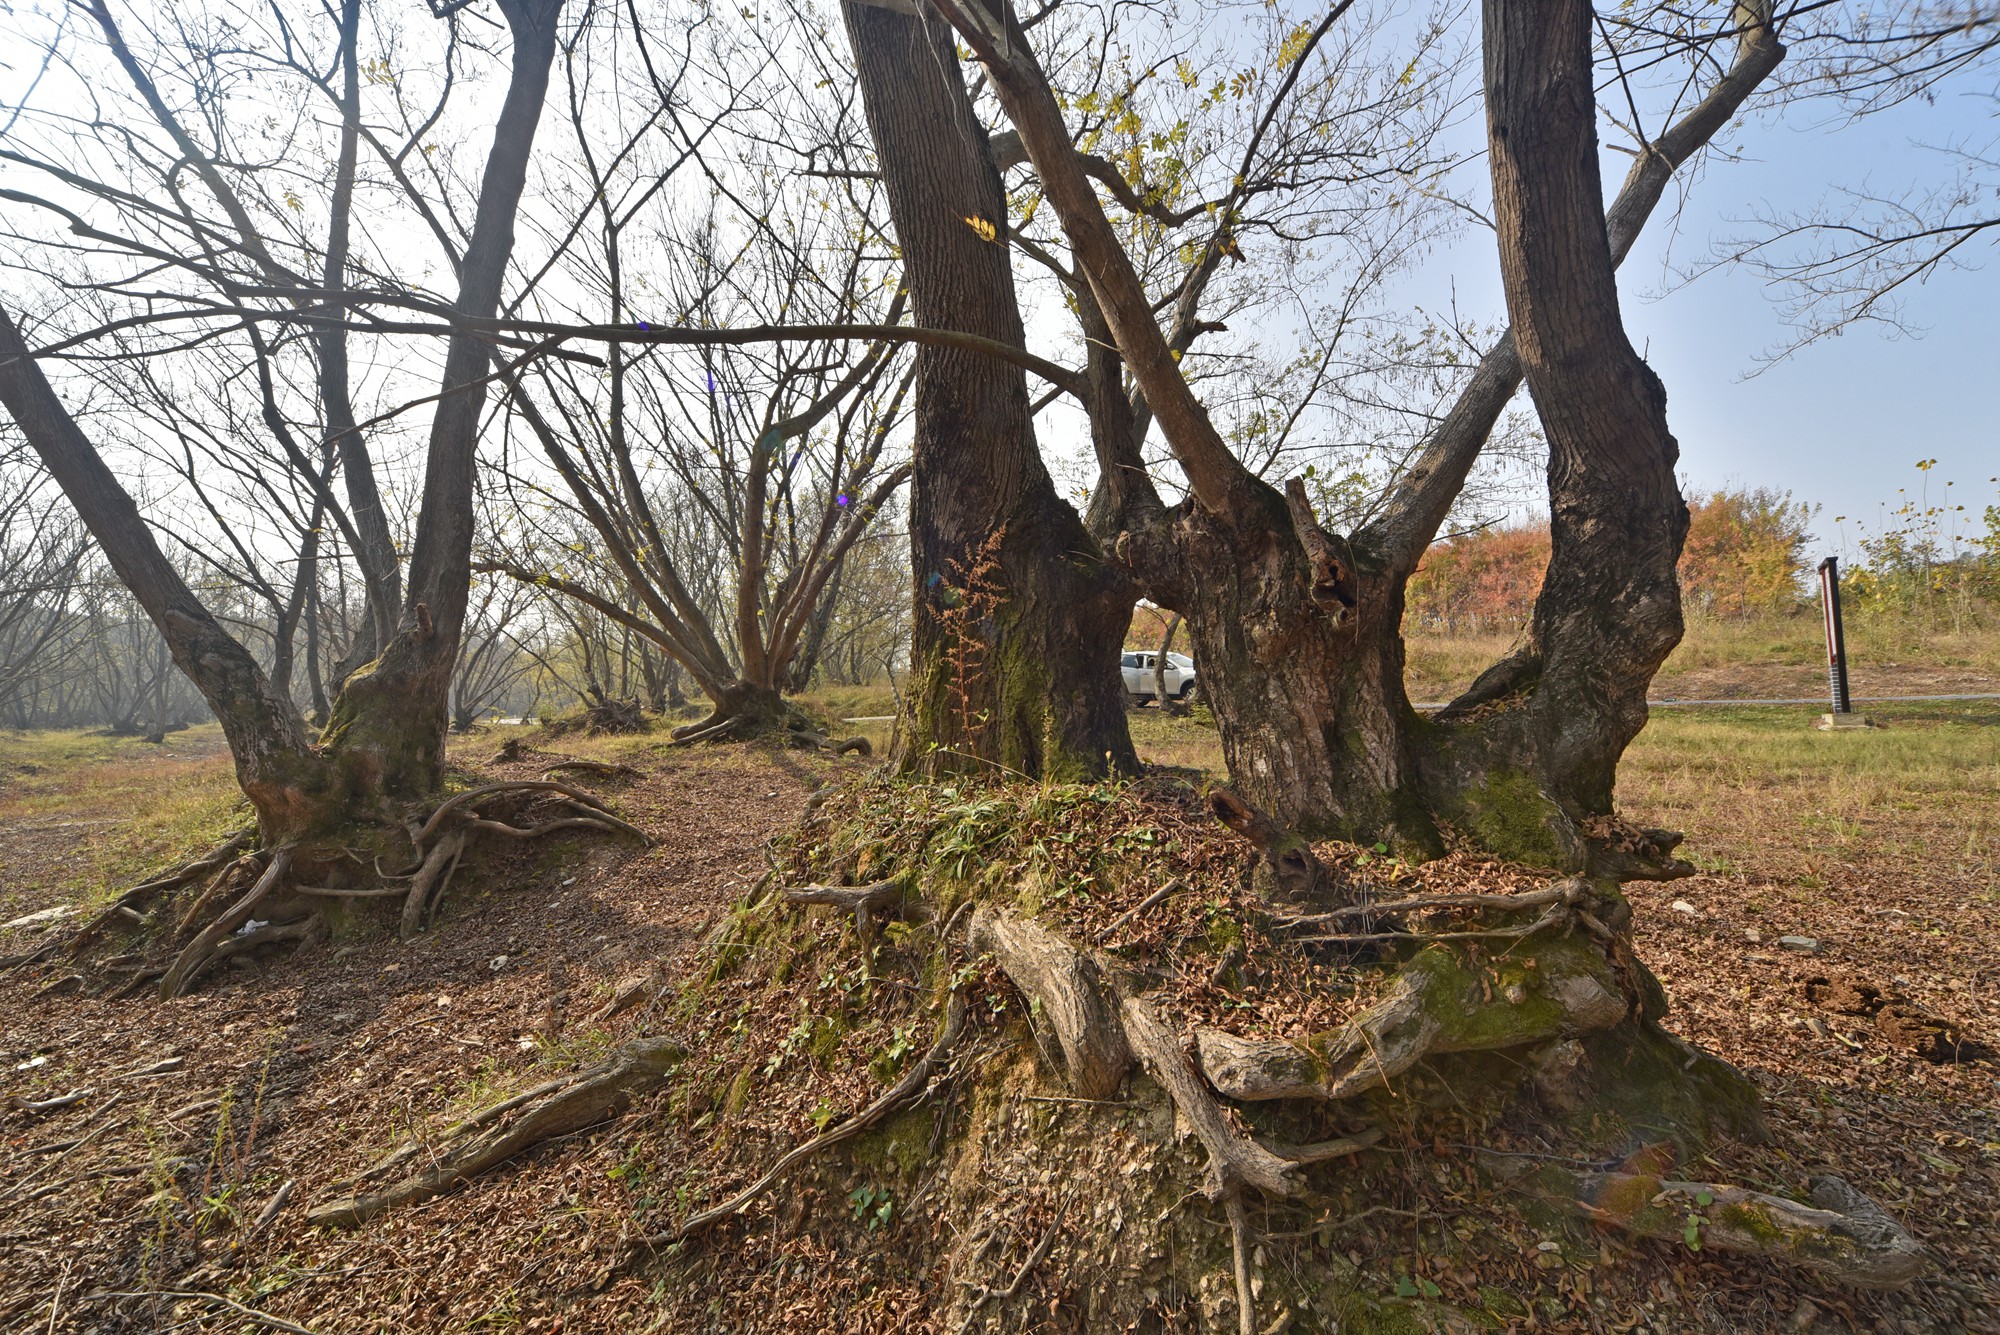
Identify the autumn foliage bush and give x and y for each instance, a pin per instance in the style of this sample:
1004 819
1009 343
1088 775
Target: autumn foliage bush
1745 557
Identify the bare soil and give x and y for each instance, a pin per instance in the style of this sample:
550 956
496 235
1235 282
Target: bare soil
306 1067
134 1208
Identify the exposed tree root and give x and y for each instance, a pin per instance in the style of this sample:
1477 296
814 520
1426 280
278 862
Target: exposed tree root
262 1318
217 860
200 952
888 898
706 731
913 1084
1090 1048
286 880
1618 851
1435 1006
1242 1248
433 874
1004 1296
611 717
1572 891
1843 1234
1294 873
802 733
597 769
550 1110
488 790
1530 976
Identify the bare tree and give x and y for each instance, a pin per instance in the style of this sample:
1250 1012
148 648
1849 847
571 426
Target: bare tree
492 661
42 554
385 739
1855 256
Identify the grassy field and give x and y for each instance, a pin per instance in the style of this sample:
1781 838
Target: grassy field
88 813
1772 658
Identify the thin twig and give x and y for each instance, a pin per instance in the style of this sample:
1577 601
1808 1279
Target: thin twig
274 1322
1239 1242
1013 1290
1532 900
1159 896
906 1089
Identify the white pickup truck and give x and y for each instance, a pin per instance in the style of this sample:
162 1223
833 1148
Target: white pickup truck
1140 669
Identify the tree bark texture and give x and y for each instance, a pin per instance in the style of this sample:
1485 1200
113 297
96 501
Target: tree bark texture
1019 617
389 724
1297 633
1609 609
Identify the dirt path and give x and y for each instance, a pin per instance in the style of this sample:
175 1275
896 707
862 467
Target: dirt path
306 1069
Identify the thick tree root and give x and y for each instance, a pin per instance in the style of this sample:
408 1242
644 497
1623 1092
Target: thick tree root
804 735
217 861
442 840
278 892
1235 1162
199 953
707 730
905 1091
550 1110
883 899
1843 1234
1097 1039
433 875
1090 1047
1294 873
1436 1005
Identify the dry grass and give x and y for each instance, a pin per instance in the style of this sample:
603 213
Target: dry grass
1771 658
1784 799
95 812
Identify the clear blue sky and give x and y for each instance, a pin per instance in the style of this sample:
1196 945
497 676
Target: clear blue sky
1843 421
1840 423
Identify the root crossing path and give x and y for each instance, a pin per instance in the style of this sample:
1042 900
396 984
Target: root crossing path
285 1073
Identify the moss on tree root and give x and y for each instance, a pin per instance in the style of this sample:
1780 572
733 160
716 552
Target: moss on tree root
1006 1152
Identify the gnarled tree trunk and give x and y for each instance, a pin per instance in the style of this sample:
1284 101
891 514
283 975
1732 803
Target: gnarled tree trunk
1019 618
1298 633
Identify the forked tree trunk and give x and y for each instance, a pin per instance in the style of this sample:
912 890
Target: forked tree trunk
1019 618
385 740
388 728
1299 633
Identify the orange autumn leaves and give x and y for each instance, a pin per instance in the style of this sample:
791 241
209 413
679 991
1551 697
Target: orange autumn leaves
1745 556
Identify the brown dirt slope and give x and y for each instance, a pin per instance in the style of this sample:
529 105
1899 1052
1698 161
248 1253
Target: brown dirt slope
305 1068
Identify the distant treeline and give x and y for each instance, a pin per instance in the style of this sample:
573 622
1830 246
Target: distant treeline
1749 553
77 651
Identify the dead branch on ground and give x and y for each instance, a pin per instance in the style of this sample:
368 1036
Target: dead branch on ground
551 1110
907 1090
